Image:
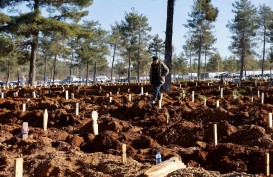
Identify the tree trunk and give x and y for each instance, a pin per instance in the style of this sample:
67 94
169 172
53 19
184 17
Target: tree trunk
205 68
54 68
32 65
8 74
264 40
87 71
199 56
112 68
95 72
190 64
138 59
34 47
18 78
45 68
242 59
168 44
70 68
129 69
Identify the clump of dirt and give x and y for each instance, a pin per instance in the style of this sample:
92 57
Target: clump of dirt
180 128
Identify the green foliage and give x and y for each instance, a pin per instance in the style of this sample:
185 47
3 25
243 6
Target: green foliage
180 64
33 24
199 24
243 28
156 46
215 63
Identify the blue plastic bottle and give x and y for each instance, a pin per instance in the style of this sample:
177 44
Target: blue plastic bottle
158 158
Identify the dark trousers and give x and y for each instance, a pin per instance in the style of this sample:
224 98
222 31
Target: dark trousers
157 94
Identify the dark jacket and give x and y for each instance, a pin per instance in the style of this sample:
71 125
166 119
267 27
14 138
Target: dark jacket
161 71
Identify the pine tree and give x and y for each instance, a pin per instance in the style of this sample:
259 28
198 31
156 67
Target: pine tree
134 31
265 18
32 24
199 24
168 44
243 28
156 47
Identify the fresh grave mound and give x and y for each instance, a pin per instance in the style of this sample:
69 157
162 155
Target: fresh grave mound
180 128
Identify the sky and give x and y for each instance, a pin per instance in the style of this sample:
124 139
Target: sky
107 12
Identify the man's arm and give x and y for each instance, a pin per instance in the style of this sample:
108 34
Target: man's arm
165 70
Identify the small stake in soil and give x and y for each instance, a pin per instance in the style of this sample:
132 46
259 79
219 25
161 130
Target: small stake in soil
270 120
142 91
110 99
258 93
262 99
123 155
19 167
205 102
159 104
33 95
192 96
95 123
179 85
217 104
77 109
221 94
2 95
72 96
267 167
215 134
24 130
130 97
252 99
66 94
24 107
45 120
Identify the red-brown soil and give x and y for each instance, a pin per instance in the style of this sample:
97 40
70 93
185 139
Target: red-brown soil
69 147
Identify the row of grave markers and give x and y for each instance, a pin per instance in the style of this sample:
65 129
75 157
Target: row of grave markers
19 161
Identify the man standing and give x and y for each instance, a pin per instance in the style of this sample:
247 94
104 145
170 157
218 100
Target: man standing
158 71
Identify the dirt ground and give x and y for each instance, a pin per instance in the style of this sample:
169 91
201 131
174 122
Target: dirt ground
180 128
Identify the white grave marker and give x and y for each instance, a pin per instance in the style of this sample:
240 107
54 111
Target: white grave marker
24 107
130 97
77 109
66 94
215 134
159 104
24 130
123 155
72 96
192 96
262 99
33 95
19 167
95 123
45 120
217 104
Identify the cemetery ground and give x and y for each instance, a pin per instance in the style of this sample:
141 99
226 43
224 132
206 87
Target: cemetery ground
184 126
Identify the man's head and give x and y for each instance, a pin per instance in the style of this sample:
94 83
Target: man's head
155 59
